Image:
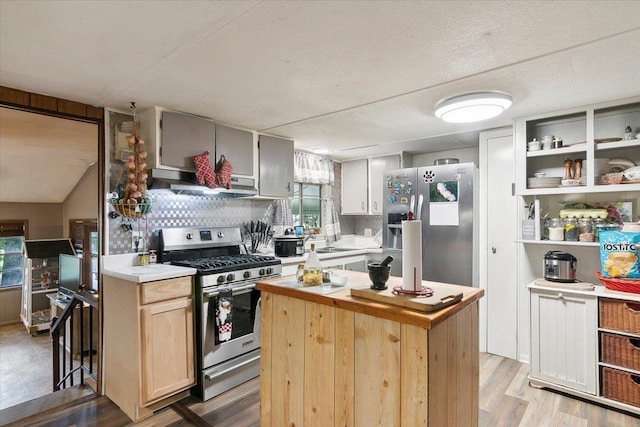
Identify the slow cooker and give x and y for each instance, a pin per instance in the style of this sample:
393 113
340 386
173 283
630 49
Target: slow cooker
560 266
288 245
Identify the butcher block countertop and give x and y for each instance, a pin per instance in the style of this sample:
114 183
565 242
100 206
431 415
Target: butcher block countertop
340 297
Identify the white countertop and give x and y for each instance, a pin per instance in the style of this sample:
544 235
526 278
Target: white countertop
123 267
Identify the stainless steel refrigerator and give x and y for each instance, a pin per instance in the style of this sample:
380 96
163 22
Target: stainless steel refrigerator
444 198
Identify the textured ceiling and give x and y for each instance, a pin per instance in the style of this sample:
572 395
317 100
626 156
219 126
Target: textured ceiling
336 74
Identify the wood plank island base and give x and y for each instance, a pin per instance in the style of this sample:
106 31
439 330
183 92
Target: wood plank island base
331 359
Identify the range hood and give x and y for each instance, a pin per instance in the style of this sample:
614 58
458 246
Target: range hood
182 182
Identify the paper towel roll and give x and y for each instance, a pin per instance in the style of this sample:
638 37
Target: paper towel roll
412 255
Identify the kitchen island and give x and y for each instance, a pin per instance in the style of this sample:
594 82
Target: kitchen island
334 359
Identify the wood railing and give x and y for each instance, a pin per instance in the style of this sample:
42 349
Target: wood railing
75 341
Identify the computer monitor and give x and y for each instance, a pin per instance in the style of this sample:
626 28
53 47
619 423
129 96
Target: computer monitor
69 274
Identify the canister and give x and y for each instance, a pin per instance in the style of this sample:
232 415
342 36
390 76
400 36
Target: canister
586 234
556 229
571 230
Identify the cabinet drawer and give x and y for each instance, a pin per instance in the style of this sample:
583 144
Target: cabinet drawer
621 386
620 350
620 315
162 290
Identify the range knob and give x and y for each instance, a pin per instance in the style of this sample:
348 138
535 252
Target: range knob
247 274
230 277
269 270
221 279
261 272
189 236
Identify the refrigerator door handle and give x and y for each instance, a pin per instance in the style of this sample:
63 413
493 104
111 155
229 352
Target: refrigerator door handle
412 204
419 211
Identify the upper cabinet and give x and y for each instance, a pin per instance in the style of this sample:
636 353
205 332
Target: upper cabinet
237 147
174 138
276 166
363 183
377 167
184 136
355 187
592 135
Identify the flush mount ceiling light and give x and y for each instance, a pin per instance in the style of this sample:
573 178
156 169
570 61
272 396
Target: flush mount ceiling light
473 107
320 150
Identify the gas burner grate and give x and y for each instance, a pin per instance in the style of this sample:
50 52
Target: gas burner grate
224 263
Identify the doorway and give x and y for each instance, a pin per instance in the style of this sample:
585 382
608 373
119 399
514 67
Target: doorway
44 141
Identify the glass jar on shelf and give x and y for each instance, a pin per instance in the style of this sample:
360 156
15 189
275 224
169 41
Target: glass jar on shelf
601 225
585 227
556 229
571 230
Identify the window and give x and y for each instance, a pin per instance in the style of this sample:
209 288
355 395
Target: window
11 261
306 205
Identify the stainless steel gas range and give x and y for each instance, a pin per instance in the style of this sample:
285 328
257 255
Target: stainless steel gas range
227 305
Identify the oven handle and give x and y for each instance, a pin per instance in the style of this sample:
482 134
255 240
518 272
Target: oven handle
234 290
211 375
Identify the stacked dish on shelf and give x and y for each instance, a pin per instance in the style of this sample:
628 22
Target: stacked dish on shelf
543 181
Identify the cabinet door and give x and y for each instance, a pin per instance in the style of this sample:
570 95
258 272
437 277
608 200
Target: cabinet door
167 351
183 137
237 147
563 339
354 187
377 166
276 166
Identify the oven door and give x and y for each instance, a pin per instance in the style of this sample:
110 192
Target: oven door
245 325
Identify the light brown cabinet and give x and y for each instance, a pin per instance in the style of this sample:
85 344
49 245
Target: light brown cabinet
148 343
335 360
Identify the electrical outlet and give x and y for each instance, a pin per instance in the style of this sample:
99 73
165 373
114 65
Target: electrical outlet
367 232
137 242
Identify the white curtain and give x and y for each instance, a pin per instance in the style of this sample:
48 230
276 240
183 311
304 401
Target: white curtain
282 216
312 169
331 221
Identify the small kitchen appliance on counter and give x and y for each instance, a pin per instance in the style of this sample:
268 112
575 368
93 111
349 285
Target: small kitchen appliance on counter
227 305
560 266
288 245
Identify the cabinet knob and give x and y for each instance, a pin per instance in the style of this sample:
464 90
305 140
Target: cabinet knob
375 205
493 249
362 205
560 295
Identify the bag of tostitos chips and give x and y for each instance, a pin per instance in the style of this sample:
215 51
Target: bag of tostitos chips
619 255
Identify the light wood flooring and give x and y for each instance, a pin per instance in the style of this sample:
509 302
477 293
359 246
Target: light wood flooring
505 400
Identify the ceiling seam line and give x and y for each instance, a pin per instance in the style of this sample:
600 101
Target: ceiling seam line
175 53
459 79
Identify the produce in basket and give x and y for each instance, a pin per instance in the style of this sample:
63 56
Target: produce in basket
131 199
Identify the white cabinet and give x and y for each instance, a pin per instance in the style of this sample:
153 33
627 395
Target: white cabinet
377 166
355 186
563 339
276 166
355 199
363 184
586 343
589 134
